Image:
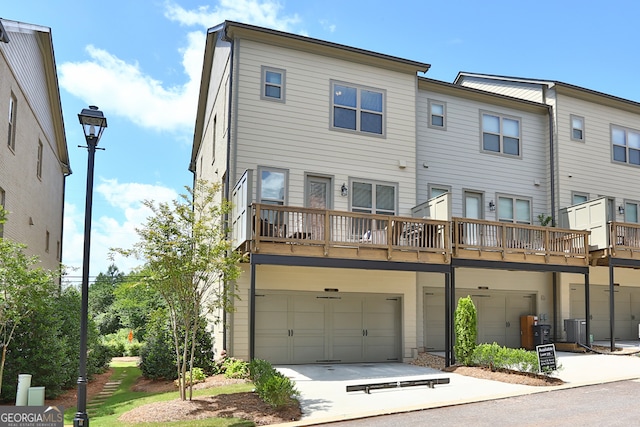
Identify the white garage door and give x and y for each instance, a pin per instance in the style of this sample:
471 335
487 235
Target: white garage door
308 327
626 306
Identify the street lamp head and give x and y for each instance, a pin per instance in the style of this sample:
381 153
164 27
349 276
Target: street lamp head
93 122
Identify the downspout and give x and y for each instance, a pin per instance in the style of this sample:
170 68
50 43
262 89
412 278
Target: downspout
227 178
552 192
64 191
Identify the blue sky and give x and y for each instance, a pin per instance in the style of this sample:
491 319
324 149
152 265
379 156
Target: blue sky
140 62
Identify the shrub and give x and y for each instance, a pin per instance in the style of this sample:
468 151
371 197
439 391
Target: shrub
272 387
235 368
157 355
465 324
195 376
497 357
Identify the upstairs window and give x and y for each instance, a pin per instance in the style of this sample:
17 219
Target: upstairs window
13 106
39 161
273 80
577 128
501 134
357 108
437 117
578 197
626 145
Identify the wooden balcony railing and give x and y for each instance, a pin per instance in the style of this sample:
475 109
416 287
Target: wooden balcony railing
491 240
321 232
624 239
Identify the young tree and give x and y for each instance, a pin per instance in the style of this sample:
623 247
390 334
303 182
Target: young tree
190 263
24 288
466 328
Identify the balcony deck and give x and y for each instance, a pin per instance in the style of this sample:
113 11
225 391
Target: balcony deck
624 243
285 230
508 242
296 231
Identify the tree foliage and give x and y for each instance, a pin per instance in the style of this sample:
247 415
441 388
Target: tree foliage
190 262
24 288
466 329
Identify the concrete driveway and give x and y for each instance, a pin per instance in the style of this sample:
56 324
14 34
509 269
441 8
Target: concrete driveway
324 397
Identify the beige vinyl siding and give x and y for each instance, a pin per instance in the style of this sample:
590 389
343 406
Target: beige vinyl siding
217 102
269 277
296 135
454 156
26 196
590 162
23 53
527 91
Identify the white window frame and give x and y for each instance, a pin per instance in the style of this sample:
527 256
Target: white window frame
501 136
515 199
627 149
374 209
358 109
12 118
265 84
281 201
572 128
575 194
443 116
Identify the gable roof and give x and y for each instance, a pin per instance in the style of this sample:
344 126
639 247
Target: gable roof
228 30
45 44
561 87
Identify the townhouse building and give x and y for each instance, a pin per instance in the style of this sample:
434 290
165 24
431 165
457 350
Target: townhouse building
596 154
368 198
34 160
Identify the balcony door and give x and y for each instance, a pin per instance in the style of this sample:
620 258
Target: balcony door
318 192
472 209
317 196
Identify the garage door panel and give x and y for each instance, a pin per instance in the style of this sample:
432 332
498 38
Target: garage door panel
308 328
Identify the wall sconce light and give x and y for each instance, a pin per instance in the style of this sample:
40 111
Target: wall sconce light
344 190
621 210
492 206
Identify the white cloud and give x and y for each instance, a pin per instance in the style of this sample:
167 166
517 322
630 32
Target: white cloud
126 91
265 13
107 231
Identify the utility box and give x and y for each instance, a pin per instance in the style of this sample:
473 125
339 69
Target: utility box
541 335
526 331
576 330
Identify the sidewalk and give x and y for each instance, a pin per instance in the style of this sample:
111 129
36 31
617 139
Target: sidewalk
324 397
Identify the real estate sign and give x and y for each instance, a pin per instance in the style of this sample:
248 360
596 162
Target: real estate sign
546 357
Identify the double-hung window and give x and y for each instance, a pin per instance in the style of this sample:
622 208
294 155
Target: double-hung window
272 190
373 198
357 108
626 145
514 209
437 114
577 128
11 137
273 84
501 134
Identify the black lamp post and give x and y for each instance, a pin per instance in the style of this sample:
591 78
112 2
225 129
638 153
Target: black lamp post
93 123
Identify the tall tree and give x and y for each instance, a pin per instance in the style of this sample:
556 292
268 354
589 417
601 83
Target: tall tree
101 300
190 262
24 288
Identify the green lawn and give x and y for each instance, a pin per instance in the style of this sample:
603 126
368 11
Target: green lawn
124 400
